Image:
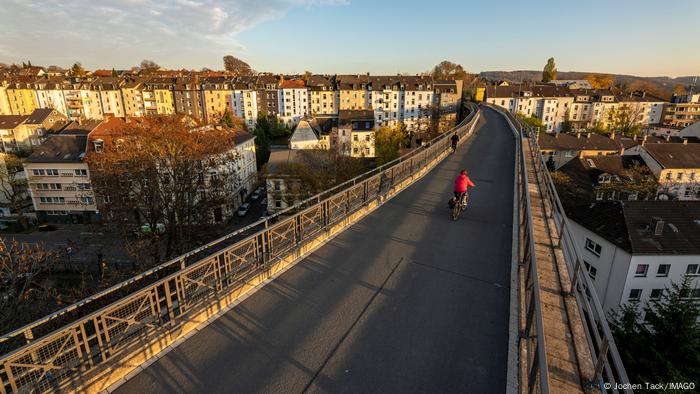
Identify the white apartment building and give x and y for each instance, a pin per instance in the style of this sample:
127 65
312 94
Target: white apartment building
50 95
633 250
417 102
59 179
111 100
243 102
583 108
677 168
355 133
293 101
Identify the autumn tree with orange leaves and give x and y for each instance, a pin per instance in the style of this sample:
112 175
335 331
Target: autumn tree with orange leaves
162 181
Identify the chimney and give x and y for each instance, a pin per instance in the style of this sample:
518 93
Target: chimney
668 137
685 141
578 134
588 135
657 225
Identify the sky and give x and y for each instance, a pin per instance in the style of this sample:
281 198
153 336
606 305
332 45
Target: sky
637 37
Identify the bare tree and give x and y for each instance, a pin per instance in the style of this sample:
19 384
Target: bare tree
13 184
24 291
165 180
148 66
237 66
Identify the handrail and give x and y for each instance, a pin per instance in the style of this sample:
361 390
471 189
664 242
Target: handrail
88 343
608 367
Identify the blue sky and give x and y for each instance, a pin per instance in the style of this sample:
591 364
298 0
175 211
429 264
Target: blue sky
347 36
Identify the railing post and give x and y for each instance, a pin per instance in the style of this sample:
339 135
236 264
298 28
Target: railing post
600 362
574 280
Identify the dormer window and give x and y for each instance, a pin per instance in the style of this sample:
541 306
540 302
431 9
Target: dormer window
98 145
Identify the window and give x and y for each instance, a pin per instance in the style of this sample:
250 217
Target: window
83 186
693 270
38 172
277 185
592 271
655 294
52 172
593 247
80 172
663 270
641 270
635 294
278 204
679 176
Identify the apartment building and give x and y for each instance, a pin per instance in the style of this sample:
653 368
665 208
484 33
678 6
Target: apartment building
447 100
633 250
324 97
243 103
4 100
293 101
22 97
111 100
132 96
267 94
386 95
158 96
355 135
81 101
189 97
417 102
216 92
23 132
683 110
581 108
50 94
677 168
59 177
353 92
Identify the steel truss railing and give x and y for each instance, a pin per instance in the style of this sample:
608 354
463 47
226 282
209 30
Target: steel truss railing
609 372
90 344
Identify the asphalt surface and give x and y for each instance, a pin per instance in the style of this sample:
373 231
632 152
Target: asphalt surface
404 301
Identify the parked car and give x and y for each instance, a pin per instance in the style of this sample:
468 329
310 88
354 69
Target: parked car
46 227
243 209
256 194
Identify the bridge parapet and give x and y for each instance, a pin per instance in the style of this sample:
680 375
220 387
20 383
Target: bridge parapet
565 342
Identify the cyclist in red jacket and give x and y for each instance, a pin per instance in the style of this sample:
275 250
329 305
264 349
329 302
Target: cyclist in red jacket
462 182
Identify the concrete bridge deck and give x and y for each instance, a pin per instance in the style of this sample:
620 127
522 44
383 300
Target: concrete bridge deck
406 300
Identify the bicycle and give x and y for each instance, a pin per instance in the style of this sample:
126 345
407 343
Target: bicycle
459 207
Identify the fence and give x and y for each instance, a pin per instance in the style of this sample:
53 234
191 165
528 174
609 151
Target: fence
96 349
608 368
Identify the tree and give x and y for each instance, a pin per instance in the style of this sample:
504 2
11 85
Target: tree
13 184
600 81
679 90
532 121
268 129
114 73
77 70
648 87
637 179
148 66
625 119
24 291
550 71
388 142
661 341
449 70
237 66
316 170
570 193
307 74
164 175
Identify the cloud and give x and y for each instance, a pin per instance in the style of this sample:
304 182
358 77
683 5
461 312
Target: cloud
124 31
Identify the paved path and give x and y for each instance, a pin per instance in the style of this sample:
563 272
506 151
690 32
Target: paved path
404 301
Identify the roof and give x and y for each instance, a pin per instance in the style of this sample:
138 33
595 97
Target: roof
60 148
579 141
39 115
278 157
11 121
80 128
675 155
242 136
292 84
629 224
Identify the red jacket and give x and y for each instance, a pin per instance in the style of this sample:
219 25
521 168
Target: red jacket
461 183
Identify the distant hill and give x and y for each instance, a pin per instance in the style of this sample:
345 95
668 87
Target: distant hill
663 84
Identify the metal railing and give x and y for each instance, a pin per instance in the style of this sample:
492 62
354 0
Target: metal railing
608 368
89 344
